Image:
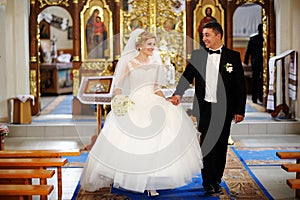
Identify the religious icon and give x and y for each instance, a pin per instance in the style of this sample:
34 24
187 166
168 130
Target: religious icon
135 23
206 19
169 24
96 36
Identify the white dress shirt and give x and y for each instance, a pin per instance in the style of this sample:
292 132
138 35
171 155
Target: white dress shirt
211 77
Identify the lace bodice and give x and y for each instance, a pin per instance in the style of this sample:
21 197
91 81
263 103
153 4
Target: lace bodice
143 77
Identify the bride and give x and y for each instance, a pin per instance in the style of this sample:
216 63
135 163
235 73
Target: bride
147 143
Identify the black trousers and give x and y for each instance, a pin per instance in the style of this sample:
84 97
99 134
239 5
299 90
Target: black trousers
257 84
215 131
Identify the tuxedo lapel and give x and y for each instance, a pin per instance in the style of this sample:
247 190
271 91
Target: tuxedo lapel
222 61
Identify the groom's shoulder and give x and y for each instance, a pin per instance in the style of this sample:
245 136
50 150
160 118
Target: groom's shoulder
230 51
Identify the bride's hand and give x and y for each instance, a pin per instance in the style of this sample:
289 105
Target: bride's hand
175 100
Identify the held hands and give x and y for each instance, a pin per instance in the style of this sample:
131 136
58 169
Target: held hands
238 118
175 100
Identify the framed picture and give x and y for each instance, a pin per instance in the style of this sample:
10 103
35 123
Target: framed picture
44 30
98 86
96 30
96 89
45 50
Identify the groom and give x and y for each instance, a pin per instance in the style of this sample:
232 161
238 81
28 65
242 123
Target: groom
221 95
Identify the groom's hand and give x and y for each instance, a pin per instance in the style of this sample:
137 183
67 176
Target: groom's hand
175 100
238 118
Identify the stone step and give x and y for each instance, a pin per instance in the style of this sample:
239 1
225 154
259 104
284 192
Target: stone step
68 126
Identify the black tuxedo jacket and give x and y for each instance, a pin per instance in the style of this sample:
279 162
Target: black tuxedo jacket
231 89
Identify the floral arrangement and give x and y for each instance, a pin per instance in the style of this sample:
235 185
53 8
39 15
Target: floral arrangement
228 67
4 130
121 104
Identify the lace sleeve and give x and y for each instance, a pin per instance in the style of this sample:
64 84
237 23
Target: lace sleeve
121 83
160 76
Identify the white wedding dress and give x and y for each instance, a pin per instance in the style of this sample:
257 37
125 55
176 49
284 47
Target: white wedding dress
154 146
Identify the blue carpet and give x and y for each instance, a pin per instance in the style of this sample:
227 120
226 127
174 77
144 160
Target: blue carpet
65 107
259 156
77 159
250 108
192 191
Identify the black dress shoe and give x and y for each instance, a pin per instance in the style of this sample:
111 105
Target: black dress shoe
209 190
217 189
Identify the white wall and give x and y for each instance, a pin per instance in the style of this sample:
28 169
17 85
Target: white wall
14 51
287 14
3 79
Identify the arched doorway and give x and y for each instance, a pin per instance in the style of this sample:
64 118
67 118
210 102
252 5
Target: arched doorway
55 48
268 20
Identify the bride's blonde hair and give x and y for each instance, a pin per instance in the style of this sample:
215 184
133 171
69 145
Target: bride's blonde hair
142 38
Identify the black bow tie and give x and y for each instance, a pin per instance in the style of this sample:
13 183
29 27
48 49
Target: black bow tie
212 51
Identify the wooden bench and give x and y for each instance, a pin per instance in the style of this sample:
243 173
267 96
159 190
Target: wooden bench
39 153
294 167
289 155
26 175
25 190
9 163
295 184
291 168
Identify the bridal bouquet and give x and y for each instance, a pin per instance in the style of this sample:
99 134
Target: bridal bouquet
121 104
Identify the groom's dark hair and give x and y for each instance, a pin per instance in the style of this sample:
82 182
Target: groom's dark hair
217 28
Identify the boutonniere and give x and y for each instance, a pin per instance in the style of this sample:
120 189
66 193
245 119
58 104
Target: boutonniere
228 67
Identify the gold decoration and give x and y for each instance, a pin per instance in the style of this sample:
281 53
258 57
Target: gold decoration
33 59
162 19
94 66
249 1
265 56
53 3
76 58
33 86
75 1
75 81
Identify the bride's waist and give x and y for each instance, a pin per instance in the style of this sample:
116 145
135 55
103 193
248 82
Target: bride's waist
144 90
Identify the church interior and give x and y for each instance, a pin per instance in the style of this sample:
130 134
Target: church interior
52 64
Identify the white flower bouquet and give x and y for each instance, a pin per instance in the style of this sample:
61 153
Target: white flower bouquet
121 104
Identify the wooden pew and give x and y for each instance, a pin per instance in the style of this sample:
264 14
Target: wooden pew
24 177
9 163
289 155
42 154
291 167
294 167
295 184
25 190
39 153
